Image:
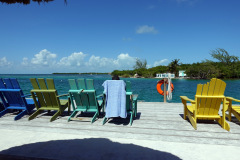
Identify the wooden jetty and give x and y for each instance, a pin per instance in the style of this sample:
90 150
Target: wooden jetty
155 121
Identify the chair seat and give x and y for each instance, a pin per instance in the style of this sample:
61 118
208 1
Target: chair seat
63 101
190 108
30 101
236 108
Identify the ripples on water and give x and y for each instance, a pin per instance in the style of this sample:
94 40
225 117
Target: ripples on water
145 88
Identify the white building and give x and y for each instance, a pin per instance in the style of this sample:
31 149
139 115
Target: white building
182 73
165 75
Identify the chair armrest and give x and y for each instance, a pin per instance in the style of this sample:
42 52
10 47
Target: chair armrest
134 97
187 99
101 95
62 95
232 99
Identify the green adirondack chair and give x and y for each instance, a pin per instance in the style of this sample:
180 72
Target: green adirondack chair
83 98
131 103
48 98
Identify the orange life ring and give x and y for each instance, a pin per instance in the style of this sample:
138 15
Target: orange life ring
159 84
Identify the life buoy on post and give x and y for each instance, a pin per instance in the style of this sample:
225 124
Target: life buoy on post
159 89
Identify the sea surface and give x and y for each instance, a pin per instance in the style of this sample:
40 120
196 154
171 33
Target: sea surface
144 87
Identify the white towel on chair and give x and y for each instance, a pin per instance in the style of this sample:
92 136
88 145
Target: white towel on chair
115 98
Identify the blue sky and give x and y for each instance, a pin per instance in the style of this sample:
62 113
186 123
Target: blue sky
104 35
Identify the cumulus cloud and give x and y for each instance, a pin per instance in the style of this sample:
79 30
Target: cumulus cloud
161 62
123 61
44 57
4 62
146 29
75 59
77 62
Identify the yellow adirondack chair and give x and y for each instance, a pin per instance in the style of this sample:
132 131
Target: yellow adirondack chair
233 109
207 103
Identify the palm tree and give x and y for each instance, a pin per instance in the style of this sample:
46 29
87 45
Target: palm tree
173 66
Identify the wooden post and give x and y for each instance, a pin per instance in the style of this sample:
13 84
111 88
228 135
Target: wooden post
165 90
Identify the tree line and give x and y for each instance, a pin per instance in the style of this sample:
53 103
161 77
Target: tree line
226 66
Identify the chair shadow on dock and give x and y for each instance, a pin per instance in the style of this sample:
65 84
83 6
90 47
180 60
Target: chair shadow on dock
90 148
201 121
122 121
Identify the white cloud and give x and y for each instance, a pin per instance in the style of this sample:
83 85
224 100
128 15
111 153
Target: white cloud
25 61
4 62
46 62
146 29
44 57
75 59
123 61
161 62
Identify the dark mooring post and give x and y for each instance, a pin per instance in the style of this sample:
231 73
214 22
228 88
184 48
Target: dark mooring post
165 90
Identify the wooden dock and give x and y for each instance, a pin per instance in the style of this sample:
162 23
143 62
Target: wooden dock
155 122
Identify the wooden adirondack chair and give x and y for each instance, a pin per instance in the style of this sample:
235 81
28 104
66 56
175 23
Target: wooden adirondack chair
207 103
12 97
83 98
48 98
233 109
131 103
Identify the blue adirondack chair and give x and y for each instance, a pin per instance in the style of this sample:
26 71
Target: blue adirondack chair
131 101
12 97
83 98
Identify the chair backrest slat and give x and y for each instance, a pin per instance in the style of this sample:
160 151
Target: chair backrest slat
47 98
81 84
91 95
219 90
128 86
92 100
53 96
199 89
2 86
8 83
39 95
89 83
203 100
15 83
73 84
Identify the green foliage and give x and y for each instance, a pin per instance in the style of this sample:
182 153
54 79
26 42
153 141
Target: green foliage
223 56
228 66
174 66
140 64
204 70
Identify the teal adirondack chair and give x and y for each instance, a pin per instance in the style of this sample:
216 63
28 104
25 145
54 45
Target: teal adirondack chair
48 98
83 98
131 103
12 97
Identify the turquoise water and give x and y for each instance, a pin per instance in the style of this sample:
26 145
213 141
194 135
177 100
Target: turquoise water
145 88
